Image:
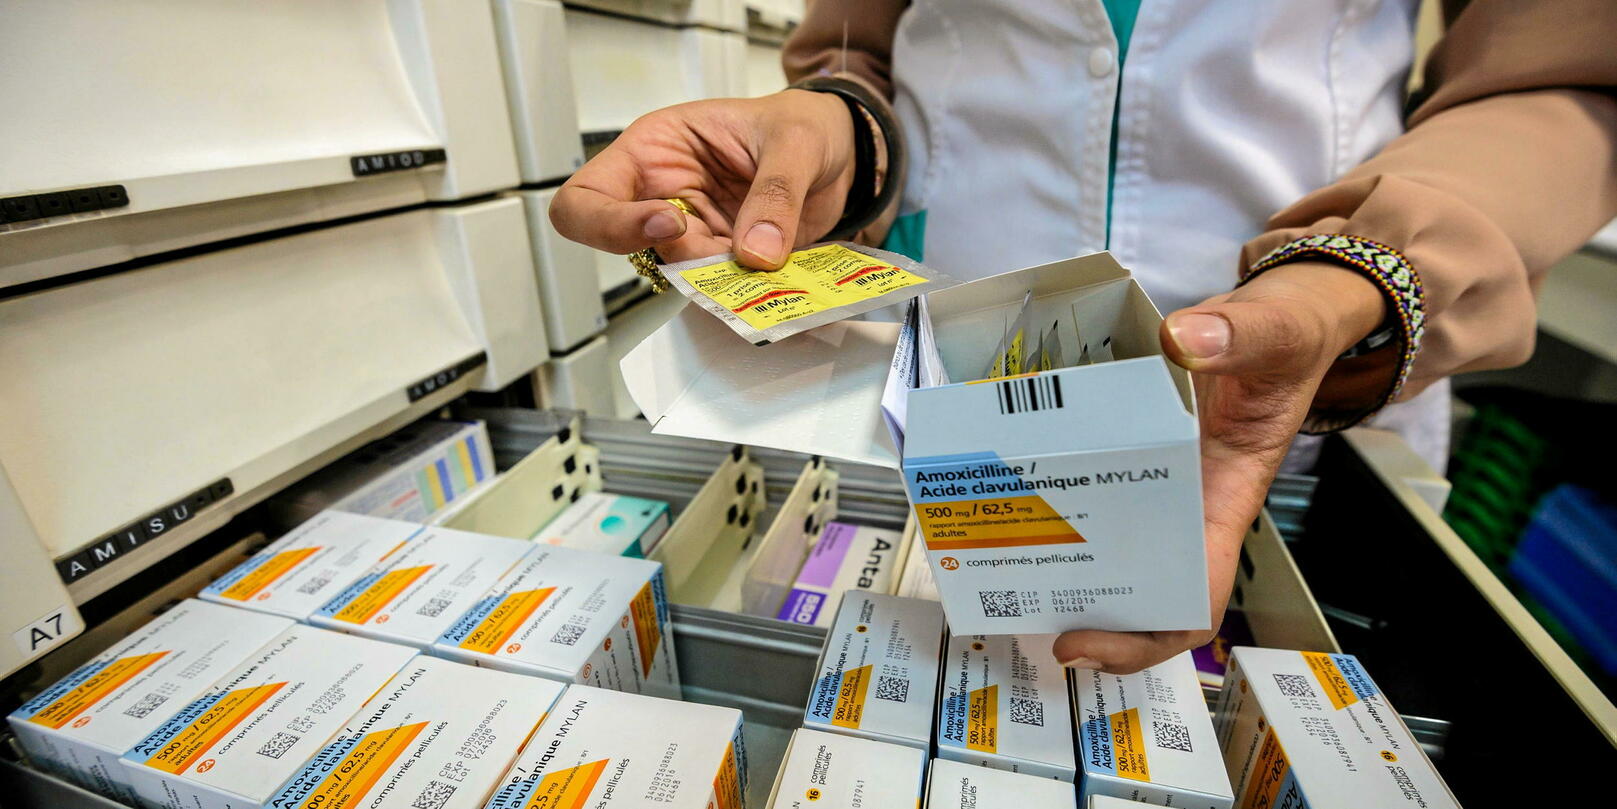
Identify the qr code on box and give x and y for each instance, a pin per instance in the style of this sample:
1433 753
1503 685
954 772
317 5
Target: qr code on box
568 634
314 585
893 689
1293 685
1000 603
278 745
434 796
1172 736
1027 711
145 706
433 608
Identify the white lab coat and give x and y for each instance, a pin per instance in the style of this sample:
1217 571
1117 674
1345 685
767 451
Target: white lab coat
1230 110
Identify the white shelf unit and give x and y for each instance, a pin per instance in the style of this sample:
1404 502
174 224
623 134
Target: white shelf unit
532 38
623 68
139 392
723 15
567 276
228 119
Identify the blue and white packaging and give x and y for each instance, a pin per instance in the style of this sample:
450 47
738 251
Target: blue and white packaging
616 524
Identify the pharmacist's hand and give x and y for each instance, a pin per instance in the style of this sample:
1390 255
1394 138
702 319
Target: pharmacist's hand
1258 355
774 169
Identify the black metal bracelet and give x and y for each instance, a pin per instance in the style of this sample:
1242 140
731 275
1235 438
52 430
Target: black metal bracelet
865 202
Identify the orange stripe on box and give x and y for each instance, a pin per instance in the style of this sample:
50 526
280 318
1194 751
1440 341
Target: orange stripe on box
94 689
266 574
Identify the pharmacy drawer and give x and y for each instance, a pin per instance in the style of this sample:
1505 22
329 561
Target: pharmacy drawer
191 127
566 274
1441 634
539 84
764 72
624 68
579 380
160 401
727 15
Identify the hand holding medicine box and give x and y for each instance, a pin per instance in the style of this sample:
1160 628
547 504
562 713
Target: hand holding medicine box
953 785
238 744
1148 737
608 523
1310 729
439 735
576 617
1004 705
80 727
878 671
419 590
830 770
1058 500
845 558
302 570
679 755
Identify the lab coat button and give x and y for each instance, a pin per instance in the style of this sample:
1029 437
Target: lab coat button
1100 62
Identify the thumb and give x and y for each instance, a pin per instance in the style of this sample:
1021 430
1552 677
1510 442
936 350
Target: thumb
766 224
1268 338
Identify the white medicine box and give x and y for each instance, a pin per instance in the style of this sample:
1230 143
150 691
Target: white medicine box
1051 501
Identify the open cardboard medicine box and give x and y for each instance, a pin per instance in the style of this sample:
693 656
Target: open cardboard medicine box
1063 499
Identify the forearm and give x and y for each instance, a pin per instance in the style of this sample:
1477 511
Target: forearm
852 39
1503 171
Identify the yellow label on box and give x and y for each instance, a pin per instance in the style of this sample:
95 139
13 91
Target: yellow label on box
727 784
1128 745
812 281
1268 774
567 789
378 595
505 620
646 631
982 720
92 690
851 697
363 767
192 743
1330 678
1003 522
266 574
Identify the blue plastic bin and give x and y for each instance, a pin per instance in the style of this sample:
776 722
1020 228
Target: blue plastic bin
1567 559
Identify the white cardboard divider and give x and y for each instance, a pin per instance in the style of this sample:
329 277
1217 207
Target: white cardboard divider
708 542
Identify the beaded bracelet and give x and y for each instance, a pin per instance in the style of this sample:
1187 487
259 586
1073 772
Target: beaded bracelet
1391 272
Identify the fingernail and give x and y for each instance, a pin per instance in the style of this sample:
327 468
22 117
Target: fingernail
1201 335
663 225
766 241
1082 663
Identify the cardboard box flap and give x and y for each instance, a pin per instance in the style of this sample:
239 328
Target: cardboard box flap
817 393
1114 405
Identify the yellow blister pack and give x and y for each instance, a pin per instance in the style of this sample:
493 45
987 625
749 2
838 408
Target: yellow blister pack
818 285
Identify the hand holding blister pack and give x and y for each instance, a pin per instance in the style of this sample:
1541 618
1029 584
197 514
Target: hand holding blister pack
818 285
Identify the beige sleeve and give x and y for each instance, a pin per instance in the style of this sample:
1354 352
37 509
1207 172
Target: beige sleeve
1508 165
816 47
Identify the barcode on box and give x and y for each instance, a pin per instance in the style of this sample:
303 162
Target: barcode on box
434 796
568 634
1027 711
1172 736
1293 685
278 745
1029 395
1000 603
893 689
145 706
433 608
314 585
